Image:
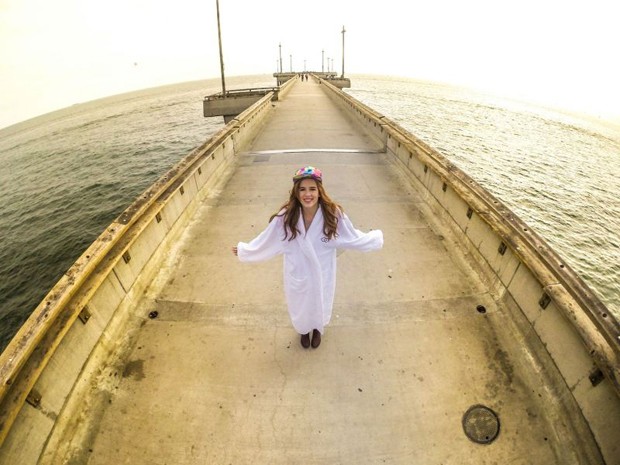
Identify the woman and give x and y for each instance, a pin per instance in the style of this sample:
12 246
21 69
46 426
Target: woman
308 230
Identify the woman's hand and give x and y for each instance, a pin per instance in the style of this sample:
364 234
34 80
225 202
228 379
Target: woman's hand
234 250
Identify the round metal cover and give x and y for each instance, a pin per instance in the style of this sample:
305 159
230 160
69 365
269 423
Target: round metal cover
481 424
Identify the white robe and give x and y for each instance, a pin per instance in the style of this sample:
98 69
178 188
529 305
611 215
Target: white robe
309 264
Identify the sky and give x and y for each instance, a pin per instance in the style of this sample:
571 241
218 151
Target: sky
558 53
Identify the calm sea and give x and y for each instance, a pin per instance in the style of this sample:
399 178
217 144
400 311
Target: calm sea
66 175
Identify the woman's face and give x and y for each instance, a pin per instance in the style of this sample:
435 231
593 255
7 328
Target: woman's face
308 193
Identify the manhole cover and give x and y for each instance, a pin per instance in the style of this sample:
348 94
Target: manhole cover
481 424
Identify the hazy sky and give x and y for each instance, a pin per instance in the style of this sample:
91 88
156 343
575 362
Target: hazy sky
54 53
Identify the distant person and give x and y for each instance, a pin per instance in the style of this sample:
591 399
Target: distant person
307 230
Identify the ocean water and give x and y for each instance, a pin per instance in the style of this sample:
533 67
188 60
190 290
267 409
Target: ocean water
558 172
66 175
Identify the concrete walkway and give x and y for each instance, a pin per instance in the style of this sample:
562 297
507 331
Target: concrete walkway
220 377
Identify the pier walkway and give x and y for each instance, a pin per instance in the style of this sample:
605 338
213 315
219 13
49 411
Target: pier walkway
219 377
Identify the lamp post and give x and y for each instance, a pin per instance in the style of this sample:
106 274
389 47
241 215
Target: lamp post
343 31
280 45
219 36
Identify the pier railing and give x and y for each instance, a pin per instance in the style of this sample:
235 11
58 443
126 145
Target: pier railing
243 92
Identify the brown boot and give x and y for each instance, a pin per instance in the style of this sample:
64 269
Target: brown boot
305 340
316 338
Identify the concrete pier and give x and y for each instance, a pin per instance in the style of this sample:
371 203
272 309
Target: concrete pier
219 376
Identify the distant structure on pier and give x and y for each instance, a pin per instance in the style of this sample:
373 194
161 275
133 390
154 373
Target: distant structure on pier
331 76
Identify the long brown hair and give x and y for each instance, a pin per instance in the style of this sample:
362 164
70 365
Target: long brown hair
291 210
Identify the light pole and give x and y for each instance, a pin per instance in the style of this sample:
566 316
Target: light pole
280 45
343 31
219 36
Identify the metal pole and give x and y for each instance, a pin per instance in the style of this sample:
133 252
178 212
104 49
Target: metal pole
291 59
280 56
219 36
343 31
322 61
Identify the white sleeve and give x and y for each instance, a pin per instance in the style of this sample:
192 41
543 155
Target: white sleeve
266 245
351 238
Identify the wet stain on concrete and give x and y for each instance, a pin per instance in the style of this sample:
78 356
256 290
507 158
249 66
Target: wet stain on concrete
134 369
501 357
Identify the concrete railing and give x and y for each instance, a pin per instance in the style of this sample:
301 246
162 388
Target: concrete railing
558 314
47 369
286 87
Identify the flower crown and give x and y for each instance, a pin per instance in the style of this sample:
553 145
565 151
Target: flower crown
308 172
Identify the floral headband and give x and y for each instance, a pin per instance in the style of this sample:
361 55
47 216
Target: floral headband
308 172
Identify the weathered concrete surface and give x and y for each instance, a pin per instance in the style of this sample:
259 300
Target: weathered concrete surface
220 377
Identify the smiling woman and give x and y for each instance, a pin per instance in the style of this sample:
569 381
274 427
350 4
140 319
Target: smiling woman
308 230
